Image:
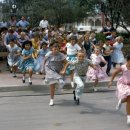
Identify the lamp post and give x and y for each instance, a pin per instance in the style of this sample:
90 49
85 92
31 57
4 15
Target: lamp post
103 13
1 12
14 9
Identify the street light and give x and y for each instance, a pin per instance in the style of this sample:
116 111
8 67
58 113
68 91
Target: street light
103 13
14 8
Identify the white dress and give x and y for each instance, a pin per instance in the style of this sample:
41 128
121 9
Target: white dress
13 60
97 72
117 55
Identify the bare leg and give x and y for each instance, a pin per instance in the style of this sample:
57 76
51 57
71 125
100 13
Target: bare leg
24 74
124 100
14 71
30 73
23 79
128 105
71 75
128 110
95 84
11 69
30 76
52 91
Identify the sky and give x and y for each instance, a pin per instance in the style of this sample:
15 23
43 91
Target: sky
1 0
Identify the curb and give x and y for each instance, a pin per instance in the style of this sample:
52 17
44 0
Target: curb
45 88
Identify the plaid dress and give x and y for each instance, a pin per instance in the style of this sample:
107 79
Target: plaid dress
53 66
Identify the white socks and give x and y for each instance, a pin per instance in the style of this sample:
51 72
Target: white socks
23 77
128 120
95 89
72 84
29 79
51 102
119 105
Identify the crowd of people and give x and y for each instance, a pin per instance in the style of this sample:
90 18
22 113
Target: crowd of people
53 52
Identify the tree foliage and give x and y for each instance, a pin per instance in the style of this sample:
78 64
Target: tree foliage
117 12
57 11
68 11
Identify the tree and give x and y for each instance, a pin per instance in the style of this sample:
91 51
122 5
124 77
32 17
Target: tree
69 11
117 12
58 11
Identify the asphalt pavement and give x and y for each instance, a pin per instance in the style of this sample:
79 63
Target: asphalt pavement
19 111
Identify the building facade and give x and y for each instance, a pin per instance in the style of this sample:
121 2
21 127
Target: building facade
90 23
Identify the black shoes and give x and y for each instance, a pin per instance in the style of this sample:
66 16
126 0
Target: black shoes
23 80
108 74
77 102
14 76
74 95
30 83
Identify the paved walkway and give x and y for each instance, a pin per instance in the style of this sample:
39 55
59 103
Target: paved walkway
9 83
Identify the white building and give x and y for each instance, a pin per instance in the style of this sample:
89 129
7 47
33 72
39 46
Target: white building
90 23
93 23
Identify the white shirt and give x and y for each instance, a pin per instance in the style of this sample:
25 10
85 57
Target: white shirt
44 24
96 59
107 48
72 49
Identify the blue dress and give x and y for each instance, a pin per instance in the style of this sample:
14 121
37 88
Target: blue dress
40 58
29 63
117 55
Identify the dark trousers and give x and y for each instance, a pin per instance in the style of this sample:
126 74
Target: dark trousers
109 63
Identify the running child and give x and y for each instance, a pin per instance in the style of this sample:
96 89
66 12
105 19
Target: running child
53 64
72 49
41 55
123 87
81 65
13 56
27 61
97 73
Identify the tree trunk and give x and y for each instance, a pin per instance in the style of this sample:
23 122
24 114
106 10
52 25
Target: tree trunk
123 26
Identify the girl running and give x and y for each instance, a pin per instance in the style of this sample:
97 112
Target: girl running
97 73
123 87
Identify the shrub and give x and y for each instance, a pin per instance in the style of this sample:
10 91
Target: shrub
100 37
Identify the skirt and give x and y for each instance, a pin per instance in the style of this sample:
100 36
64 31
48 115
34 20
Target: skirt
123 90
97 73
70 67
